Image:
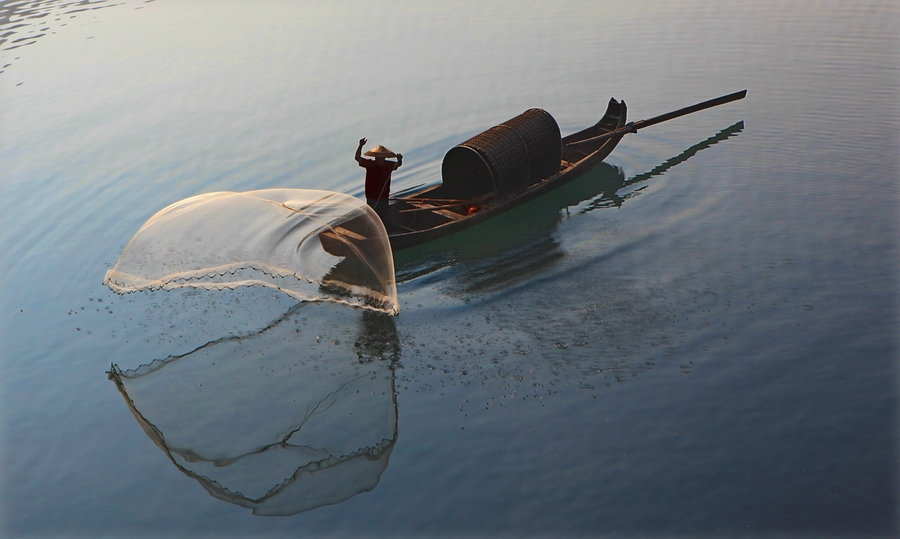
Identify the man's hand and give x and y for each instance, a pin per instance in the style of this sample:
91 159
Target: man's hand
359 158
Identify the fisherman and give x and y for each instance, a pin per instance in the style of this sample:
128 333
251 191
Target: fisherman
378 176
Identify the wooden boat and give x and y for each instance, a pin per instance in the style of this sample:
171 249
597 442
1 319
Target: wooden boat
425 215
436 211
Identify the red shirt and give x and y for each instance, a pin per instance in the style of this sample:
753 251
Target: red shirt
378 178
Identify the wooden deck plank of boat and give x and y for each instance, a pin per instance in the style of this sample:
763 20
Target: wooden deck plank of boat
438 210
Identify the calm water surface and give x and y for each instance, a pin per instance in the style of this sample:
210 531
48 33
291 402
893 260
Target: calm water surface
698 338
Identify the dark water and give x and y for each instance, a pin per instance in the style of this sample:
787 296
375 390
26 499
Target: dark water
698 338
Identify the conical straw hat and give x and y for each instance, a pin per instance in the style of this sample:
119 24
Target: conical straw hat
380 151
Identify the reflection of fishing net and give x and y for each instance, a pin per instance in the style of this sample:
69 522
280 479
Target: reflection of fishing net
298 416
311 245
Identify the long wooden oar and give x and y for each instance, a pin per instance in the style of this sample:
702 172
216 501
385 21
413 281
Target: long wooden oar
632 127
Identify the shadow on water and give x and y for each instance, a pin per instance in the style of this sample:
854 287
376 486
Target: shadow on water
522 241
611 198
282 420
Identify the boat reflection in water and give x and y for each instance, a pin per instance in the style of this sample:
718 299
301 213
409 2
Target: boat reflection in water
296 416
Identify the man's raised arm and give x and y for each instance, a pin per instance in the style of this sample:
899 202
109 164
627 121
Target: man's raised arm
358 156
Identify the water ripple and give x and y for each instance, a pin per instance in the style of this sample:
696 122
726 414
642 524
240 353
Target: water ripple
23 23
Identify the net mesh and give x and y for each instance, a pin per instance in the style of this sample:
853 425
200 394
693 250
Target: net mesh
312 245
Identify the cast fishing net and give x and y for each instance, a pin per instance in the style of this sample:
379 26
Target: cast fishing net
312 245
